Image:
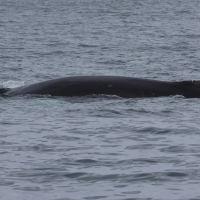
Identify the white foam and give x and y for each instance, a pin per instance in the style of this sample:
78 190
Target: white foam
12 84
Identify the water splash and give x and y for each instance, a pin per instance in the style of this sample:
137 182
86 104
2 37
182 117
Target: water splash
12 84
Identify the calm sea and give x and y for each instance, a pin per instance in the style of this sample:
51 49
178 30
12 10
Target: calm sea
106 148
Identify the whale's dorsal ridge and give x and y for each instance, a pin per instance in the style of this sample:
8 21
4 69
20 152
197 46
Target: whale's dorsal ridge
126 87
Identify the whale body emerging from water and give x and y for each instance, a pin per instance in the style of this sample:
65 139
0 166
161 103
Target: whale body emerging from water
126 87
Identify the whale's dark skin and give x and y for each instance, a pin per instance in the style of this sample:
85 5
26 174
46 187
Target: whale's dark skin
126 87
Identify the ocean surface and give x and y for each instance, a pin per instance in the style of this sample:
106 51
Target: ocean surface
105 147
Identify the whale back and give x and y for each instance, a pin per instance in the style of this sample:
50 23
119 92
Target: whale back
109 85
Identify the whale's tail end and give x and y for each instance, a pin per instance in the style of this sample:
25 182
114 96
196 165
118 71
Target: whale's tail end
4 90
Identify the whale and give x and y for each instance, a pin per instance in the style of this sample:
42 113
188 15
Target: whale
126 87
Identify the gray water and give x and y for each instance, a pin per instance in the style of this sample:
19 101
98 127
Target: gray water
105 147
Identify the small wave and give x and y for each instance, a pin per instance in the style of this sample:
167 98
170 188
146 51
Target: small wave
12 84
178 96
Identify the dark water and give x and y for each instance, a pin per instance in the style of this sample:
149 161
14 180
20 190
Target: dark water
105 147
